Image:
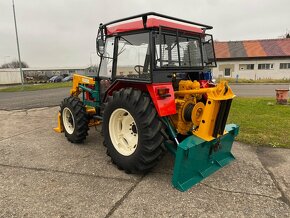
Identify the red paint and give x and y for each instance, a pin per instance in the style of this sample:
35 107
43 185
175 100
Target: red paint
88 95
203 83
151 23
164 106
123 84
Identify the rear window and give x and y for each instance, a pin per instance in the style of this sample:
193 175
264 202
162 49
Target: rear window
173 51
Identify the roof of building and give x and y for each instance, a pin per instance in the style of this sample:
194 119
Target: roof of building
263 48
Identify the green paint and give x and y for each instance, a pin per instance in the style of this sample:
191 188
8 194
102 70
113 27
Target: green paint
95 94
195 159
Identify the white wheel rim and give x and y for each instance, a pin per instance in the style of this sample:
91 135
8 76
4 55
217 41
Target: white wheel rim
68 120
123 132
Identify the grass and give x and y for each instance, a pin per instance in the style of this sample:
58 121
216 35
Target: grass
233 80
261 121
35 87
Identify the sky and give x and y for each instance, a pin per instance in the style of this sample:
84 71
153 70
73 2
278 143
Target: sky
61 33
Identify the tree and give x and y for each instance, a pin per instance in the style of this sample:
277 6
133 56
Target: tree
14 64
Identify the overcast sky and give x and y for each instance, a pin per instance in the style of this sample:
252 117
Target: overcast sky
62 32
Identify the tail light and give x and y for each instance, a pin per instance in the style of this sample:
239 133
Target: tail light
163 92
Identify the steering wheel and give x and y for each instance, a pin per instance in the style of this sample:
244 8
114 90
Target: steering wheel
137 68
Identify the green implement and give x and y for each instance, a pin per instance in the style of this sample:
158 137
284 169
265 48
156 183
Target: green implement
196 159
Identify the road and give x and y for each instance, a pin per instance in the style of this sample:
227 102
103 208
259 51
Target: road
257 90
53 97
32 99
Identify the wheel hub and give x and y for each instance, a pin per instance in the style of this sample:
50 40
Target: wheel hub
68 120
123 132
133 128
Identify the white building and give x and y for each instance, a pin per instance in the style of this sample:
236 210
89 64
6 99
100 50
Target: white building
12 76
9 76
253 59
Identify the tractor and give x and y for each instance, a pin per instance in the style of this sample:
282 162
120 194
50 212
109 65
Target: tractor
153 93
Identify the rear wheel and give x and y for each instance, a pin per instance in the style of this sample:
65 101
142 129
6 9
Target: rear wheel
74 119
132 131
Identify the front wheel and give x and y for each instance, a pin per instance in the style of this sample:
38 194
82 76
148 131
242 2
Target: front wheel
74 119
132 131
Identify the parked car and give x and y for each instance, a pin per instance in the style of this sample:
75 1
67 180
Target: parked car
67 78
55 79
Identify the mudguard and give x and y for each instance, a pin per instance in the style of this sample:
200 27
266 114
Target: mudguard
196 159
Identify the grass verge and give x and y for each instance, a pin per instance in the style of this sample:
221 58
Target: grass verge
35 87
261 121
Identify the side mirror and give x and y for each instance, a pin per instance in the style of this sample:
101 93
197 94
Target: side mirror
100 46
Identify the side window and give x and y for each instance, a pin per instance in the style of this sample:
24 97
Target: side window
133 59
107 61
177 51
208 51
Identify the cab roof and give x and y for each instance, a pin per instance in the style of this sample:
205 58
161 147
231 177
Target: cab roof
152 20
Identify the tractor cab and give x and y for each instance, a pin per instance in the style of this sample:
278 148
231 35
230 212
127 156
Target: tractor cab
154 48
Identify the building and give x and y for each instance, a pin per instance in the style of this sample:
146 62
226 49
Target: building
9 76
253 59
12 76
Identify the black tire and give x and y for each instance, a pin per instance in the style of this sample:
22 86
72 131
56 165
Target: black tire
78 118
149 146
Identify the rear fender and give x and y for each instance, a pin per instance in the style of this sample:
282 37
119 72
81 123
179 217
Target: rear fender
165 106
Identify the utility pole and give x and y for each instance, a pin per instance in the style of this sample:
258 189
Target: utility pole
20 65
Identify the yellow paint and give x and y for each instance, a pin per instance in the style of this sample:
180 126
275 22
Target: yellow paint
92 122
90 110
197 113
188 85
80 79
59 127
182 101
203 117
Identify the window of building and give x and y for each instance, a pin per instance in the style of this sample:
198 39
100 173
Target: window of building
285 66
227 71
246 66
265 66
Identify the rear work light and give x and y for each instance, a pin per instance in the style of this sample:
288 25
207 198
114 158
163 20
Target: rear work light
163 92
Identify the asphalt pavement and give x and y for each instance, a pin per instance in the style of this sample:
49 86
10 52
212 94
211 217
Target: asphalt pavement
257 89
44 175
32 99
53 97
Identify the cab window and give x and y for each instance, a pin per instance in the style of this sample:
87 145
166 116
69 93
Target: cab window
133 58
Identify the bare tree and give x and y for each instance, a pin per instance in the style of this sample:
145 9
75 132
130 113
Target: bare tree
14 64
